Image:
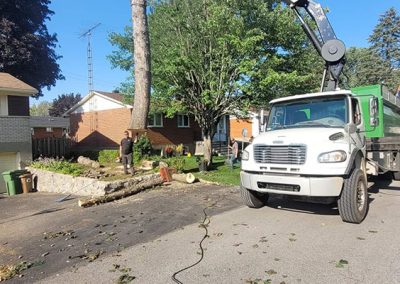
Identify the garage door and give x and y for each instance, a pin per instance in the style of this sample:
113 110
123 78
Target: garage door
8 162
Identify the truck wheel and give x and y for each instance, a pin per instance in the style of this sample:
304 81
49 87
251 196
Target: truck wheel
253 199
353 202
396 175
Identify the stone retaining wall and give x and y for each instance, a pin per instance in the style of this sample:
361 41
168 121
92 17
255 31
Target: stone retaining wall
47 181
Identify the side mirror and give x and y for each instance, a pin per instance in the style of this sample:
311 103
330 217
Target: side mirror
373 111
350 128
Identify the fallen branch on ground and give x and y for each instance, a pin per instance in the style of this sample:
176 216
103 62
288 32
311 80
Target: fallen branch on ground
209 182
121 193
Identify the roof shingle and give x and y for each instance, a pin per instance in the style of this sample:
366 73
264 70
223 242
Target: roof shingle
9 82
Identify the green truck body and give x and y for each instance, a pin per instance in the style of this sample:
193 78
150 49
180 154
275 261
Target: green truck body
389 111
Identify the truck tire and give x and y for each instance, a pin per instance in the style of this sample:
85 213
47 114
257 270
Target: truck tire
353 202
396 175
253 199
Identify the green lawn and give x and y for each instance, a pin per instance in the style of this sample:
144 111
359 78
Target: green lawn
219 172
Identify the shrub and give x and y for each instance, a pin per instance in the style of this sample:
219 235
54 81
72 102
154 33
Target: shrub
142 148
59 166
177 162
108 156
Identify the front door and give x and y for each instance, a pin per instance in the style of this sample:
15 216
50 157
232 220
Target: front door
220 134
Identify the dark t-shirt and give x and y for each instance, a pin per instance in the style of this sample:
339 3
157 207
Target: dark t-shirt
127 146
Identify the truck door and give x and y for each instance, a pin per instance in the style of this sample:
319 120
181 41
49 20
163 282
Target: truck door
356 117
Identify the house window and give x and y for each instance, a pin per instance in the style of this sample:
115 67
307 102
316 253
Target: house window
49 129
155 120
183 120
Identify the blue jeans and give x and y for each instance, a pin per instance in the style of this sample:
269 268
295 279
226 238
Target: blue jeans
232 160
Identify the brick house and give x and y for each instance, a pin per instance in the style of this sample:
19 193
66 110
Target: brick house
100 118
15 130
47 126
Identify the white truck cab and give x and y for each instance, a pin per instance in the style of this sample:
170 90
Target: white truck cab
311 147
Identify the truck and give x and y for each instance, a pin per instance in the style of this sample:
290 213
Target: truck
321 147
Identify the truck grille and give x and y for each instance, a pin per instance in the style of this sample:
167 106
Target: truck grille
290 155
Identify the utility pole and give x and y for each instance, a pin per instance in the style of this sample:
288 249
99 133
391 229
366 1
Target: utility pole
88 35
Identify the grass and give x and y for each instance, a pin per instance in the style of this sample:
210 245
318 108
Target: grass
59 166
219 171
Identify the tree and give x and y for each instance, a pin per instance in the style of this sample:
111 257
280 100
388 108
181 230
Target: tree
365 67
142 65
40 109
63 103
385 41
26 47
385 38
212 58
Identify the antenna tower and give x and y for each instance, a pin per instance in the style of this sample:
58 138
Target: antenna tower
88 35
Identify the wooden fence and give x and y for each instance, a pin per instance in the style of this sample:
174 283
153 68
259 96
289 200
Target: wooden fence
51 147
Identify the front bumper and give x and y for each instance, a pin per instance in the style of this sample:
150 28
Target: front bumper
292 185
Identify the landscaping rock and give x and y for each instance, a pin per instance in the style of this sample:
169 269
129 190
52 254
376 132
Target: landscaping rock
88 162
60 183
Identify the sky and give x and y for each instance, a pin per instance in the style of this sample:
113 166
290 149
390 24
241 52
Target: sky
352 20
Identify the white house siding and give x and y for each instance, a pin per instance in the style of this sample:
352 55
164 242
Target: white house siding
3 105
97 103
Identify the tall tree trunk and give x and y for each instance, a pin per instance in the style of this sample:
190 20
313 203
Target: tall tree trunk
142 65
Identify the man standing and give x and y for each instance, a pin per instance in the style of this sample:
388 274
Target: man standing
125 152
235 151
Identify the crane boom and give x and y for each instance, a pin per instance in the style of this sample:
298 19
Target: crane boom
329 47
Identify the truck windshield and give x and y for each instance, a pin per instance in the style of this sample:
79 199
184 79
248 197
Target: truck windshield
310 112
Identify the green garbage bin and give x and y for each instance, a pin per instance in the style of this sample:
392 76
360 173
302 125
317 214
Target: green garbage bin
13 182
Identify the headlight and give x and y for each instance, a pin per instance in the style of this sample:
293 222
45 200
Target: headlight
332 157
245 155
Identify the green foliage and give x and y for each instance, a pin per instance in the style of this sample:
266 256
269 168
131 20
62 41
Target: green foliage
27 48
385 38
219 172
63 103
40 109
365 67
142 148
59 166
108 156
380 62
211 58
177 162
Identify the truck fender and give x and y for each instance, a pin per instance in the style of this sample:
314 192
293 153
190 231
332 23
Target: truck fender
357 161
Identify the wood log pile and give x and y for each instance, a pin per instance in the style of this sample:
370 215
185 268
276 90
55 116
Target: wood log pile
133 189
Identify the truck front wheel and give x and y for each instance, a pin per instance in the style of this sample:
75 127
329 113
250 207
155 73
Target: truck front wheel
253 199
353 202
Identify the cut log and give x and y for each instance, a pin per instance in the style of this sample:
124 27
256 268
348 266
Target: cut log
121 193
185 178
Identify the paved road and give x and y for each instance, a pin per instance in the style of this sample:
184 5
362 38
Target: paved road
60 236
285 242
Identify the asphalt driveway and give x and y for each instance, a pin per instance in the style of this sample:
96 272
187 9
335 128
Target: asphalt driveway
148 237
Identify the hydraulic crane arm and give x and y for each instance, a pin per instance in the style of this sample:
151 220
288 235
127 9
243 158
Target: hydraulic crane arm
331 49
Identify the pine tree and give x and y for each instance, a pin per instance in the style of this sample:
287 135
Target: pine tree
385 39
